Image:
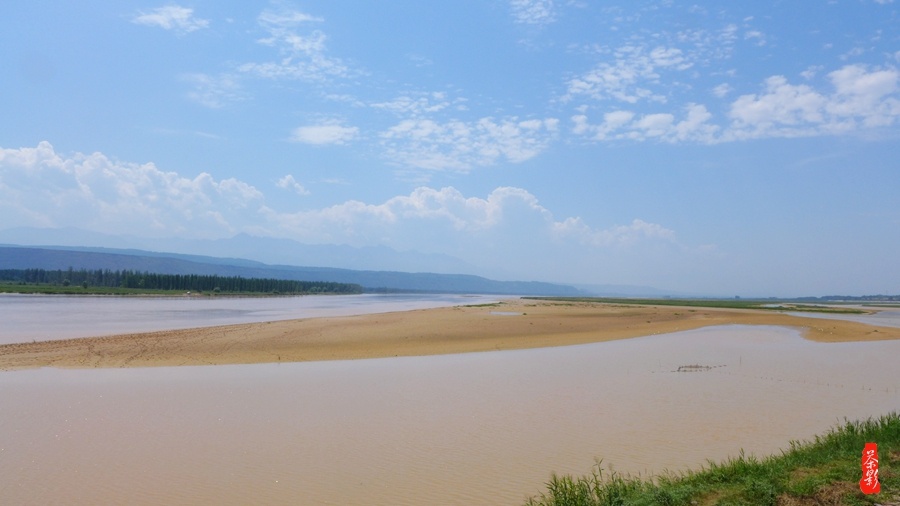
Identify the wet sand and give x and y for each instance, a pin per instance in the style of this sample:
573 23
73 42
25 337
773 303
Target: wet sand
509 325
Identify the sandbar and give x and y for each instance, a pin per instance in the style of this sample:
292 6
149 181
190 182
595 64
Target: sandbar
510 324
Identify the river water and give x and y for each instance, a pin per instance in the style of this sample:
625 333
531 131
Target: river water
884 317
473 429
48 317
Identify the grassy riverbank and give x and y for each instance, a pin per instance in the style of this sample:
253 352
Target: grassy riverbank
825 471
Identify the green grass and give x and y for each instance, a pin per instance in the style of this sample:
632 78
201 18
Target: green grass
824 471
768 305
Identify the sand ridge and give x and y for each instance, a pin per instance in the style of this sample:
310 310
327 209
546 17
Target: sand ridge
511 324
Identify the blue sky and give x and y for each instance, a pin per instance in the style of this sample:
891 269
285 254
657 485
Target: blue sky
706 147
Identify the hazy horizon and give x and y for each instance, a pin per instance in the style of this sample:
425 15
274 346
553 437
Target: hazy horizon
737 149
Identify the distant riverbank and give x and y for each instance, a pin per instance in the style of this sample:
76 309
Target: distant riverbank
506 325
28 318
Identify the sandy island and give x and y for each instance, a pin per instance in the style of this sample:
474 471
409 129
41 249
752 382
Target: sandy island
511 324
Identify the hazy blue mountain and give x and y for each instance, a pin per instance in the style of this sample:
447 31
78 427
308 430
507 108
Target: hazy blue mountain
288 252
632 291
67 236
23 257
261 249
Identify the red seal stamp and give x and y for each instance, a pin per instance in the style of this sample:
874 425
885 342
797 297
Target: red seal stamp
869 483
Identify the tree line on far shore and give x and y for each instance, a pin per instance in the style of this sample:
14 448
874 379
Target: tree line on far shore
186 282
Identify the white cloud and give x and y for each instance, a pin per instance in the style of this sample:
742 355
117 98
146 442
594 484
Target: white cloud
289 183
416 104
326 133
757 36
704 46
533 12
507 230
619 235
853 53
460 146
286 18
213 91
811 72
303 52
40 187
722 90
695 126
509 223
629 77
781 103
172 17
862 98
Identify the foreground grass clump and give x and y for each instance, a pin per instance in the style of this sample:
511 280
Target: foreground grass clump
825 471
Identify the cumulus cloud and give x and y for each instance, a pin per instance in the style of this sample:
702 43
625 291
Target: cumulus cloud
797 106
619 235
326 133
171 17
41 187
460 146
861 98
503 223
693 125
508 230
722 89
289 183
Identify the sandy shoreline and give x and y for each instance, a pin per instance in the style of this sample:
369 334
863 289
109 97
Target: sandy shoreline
512 324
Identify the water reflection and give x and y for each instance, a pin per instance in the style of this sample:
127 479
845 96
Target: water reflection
46 317
882 318
479 428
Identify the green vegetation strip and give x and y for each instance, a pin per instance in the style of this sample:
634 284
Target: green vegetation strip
100 290
127 282
825 471
767 305
46 289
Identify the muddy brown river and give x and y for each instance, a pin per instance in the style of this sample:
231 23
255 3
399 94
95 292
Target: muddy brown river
478 428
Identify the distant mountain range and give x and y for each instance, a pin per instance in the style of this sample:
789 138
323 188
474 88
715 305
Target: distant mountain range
267 250
62 257
251 256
